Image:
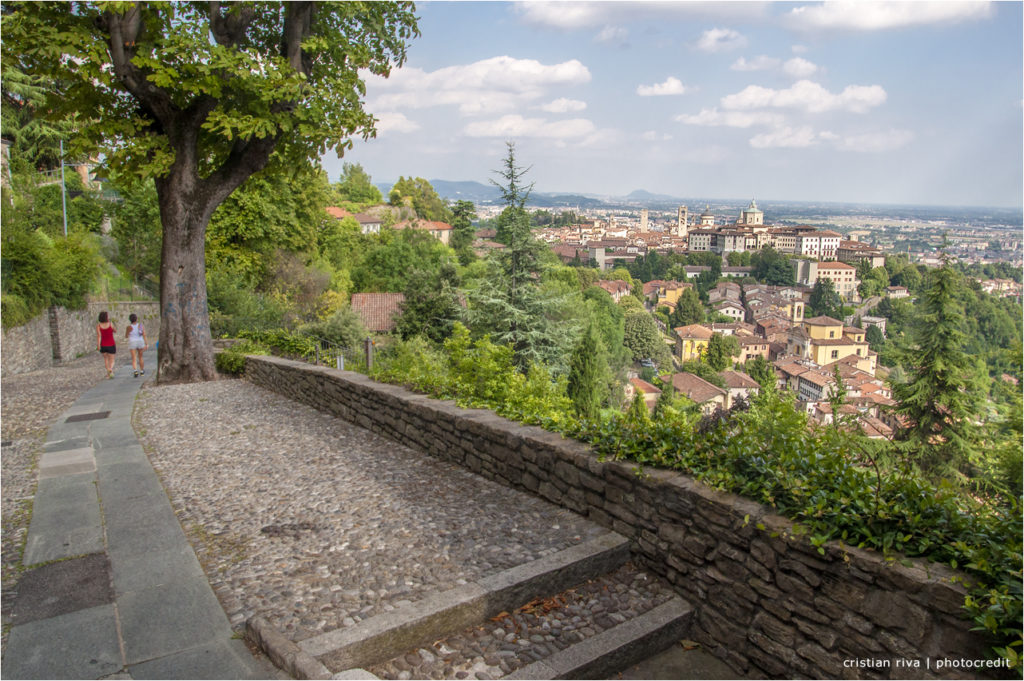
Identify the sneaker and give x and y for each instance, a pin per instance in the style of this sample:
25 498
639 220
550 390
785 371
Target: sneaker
142 371
110 375
135 374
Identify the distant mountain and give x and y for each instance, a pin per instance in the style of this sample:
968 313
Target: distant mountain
477 192
644 195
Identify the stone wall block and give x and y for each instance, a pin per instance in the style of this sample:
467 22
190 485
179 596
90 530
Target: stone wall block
774 629
805 573
823 633
722 630
794 587
857 623
550 492
567 472
764 588
775 658
896 611
759 570
829 608
942 595
820 658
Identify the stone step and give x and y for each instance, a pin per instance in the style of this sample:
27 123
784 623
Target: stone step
594 629
611 651
416 624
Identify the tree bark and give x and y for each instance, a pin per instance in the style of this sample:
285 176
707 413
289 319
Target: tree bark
186 347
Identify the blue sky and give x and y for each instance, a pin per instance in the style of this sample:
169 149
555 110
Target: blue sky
910 103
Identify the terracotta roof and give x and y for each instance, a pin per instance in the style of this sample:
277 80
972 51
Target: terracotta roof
695 387
422 224
823 321
338 213
644 387
694 331
738 379
613 285
378 310
833 266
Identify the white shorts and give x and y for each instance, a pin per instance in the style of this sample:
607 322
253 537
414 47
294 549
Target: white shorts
136 344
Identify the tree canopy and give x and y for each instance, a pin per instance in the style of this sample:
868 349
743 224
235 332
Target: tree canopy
200 96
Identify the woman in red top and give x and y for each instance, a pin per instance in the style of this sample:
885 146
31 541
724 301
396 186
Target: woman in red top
105 341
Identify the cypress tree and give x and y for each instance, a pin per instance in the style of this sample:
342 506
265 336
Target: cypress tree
586 375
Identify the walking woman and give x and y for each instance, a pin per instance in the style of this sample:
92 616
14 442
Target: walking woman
105 341
137 343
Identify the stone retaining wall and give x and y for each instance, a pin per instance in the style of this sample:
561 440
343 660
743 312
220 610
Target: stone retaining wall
767 602
60 335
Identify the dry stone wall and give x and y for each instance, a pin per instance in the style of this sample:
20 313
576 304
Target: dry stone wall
767 602
60 335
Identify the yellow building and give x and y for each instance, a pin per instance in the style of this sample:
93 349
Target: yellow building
692 341
824 340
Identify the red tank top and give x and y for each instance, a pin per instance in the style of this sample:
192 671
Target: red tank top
107 336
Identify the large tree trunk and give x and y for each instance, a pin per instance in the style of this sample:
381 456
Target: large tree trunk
186 348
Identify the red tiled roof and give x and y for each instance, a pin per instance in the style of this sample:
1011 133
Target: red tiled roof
738 379
644 387
338 213
378 310
695 387
694 331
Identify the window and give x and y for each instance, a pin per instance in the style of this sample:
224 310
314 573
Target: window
835 354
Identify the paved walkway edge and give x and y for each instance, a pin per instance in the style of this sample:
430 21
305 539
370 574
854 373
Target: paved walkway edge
388 634
617 648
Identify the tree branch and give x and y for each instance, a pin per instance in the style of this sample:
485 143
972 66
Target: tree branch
229 29
124 30
298 17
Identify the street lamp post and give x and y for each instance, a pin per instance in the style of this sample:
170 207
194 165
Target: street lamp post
63 190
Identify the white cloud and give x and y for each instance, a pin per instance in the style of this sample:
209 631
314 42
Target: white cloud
731 119
720 40
873 16
514 125
490 85
785 137
577 14
761 63
809 96
563 105
798 67
392 121
671 86
614 35
799 49
563 15
803 137
875 142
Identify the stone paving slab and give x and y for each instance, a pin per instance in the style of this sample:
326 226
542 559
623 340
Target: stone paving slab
134 571
216 660
65 522
63 440
62 587
189 617
78 645
66 462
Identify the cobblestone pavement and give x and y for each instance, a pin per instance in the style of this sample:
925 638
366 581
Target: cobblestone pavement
317 524
30 402
534 631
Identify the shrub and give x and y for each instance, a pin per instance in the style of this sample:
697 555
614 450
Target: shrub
232 360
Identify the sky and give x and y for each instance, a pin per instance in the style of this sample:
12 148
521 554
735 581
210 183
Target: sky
866 102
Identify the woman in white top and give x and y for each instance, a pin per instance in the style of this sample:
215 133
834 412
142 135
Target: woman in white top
136 336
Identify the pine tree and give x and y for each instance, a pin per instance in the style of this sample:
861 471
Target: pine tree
940 399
